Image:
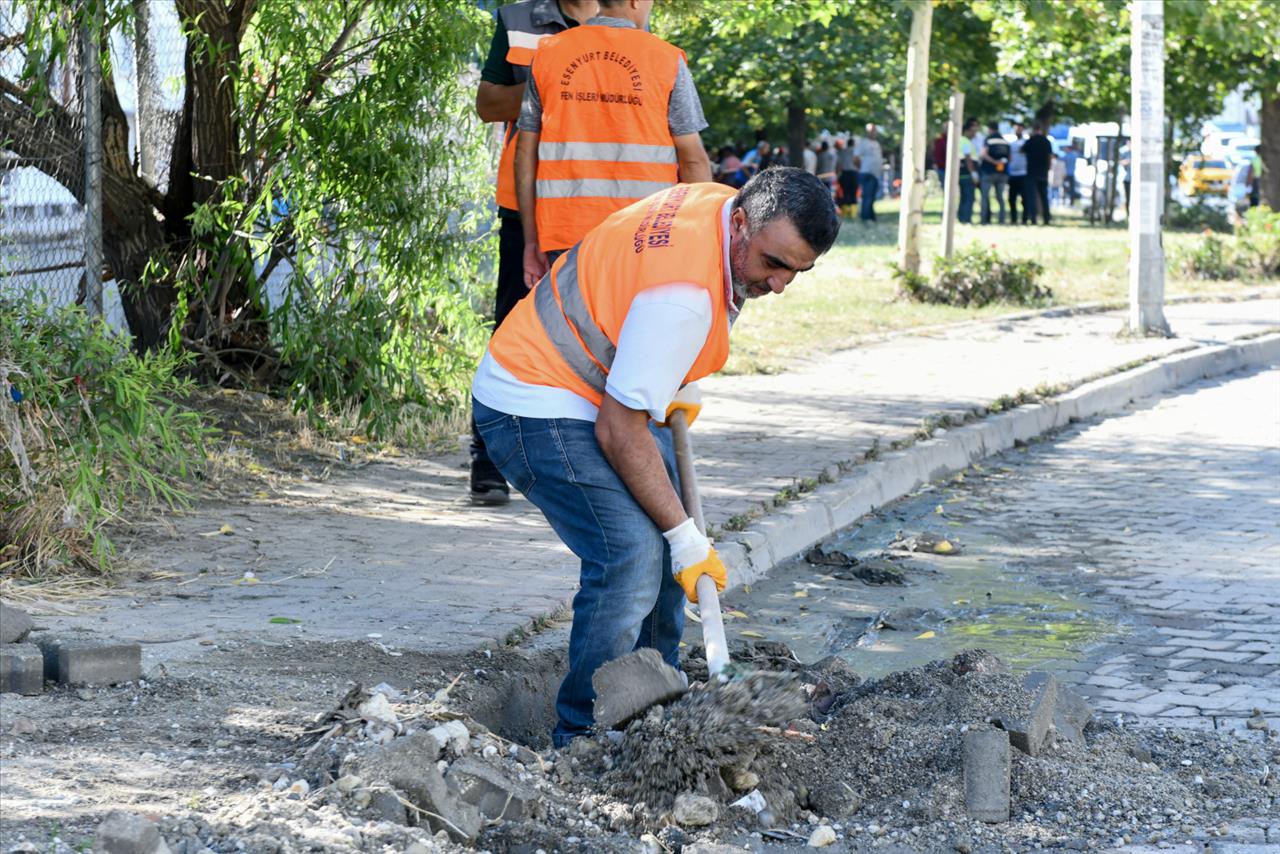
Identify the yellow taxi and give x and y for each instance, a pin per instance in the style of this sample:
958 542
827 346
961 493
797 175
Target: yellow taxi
1203 175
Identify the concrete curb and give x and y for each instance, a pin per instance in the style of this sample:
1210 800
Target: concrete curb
789 530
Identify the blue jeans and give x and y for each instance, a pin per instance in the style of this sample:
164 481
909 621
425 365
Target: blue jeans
964 211
628 598
870 187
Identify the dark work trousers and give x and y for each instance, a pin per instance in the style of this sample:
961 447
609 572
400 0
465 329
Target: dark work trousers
510 291
1018 193
1037 198
848 187
964 211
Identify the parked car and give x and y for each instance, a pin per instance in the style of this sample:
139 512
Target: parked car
1202 175
1242 149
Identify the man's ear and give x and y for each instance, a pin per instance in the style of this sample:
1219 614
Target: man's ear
739 219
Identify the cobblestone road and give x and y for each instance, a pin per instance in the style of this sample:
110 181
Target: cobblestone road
1166 522
1187 494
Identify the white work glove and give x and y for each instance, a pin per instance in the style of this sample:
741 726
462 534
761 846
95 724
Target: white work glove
693 556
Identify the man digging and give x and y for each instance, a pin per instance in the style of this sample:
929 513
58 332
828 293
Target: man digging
566 396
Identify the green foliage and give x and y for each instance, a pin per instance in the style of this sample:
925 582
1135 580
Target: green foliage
338 251
1252 253
88 425
975 278
1197 216
380 178
752 59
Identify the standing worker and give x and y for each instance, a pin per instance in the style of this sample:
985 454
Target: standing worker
1039 157
869 160
565 394
968 170
518 29
610 115
1019 191
994 163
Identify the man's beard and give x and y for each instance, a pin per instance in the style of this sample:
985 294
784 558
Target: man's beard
743 289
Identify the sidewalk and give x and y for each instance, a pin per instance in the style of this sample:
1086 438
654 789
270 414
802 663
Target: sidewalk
394 550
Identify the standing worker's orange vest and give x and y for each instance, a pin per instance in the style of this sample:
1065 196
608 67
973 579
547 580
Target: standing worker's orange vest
565 335
527 24
605 139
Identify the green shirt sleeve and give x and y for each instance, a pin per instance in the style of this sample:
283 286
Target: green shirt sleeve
496 68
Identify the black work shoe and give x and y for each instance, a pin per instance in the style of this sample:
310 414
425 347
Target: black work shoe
488 486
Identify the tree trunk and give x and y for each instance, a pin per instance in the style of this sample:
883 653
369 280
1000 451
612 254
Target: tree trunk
229 315
1269 150
913 137
797 122
132 237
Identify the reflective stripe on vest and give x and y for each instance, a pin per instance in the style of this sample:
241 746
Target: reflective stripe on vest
564 335
609 188
527 24
615 151
560 320
606 139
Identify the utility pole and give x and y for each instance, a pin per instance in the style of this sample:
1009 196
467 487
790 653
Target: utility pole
951 172
913 136
1146 169
91 68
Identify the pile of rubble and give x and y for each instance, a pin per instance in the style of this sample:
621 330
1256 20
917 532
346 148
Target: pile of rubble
959 755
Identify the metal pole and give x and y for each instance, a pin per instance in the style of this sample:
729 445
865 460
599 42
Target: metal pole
1146 170
951 193
90 40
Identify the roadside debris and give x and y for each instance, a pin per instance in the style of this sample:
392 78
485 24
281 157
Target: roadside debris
803 755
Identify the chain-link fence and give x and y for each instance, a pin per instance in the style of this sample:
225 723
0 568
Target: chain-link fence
50 204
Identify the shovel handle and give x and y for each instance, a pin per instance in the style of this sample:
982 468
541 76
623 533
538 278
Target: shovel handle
708 597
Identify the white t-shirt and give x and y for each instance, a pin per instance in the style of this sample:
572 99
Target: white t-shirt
661 337
1017 160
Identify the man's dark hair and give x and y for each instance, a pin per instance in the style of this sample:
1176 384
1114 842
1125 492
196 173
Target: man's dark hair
969 124
994 127
795 194
1037 126
611 4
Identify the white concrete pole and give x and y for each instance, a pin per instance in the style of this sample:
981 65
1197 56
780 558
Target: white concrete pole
1146 170
951 193
913 136
91 68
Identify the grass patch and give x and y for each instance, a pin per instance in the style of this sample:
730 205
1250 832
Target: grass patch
852 294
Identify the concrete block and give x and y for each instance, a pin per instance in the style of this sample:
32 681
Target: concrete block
629 685
1030 735
21 669
491 791
125 833
14 624
1071 711
409 765
74 662
986 774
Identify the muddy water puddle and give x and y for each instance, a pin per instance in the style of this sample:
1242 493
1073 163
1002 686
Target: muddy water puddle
1022 601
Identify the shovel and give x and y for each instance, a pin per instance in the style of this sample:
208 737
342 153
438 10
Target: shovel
708 597
627 686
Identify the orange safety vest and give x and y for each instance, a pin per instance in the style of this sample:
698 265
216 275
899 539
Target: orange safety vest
527 23
565 335
605 139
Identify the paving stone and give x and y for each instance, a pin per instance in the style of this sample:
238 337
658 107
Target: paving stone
986 775
14 624
77 662
21 669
